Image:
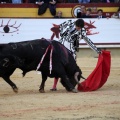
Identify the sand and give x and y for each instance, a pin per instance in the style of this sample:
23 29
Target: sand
30 104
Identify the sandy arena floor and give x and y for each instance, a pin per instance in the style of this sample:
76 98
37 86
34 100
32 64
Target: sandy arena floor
29 104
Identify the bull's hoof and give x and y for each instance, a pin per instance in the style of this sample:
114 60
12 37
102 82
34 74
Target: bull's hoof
41 91
15 89
74 91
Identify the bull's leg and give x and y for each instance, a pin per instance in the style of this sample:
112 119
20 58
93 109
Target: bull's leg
44 78
7 67
14 87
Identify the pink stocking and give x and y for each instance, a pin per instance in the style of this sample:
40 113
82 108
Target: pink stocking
55 83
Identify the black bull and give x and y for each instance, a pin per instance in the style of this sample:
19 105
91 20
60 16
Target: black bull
28 54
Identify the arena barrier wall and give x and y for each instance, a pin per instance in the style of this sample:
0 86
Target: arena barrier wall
103 32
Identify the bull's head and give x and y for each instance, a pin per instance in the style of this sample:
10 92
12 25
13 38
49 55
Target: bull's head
74 80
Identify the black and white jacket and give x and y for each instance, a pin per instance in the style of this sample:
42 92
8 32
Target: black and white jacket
69 34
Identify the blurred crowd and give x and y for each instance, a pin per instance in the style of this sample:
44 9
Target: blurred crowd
59 1
82 11
93 12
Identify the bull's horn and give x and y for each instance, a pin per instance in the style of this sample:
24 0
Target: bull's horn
82 77
75 76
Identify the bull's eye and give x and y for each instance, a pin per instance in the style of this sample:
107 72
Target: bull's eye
9 28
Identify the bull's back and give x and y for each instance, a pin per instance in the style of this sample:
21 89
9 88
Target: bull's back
23 48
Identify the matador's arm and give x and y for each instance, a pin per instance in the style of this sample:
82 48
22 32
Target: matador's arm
91 44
